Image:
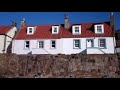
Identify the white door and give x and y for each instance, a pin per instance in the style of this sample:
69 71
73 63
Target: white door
90 43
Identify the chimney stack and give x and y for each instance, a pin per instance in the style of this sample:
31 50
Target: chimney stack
66 24
22 22
112 19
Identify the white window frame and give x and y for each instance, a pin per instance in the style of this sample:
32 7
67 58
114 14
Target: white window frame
52 44
99 43
73 29
26 44
96 31
28 30
53 29
42 44
74 46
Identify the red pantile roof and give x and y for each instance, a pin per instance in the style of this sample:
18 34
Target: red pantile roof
4 29
44 32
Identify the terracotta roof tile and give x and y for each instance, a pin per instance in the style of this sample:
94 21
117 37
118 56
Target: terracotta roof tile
44 32
4 29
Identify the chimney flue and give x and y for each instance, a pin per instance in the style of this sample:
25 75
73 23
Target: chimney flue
66 24
22 22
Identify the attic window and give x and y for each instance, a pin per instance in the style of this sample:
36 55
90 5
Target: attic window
55 29
30 30
99 29
76 29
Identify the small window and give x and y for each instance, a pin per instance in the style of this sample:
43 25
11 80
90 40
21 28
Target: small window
76 44
53 44
99 28
40 44
55 29
30 30
76 29
102 43
27 44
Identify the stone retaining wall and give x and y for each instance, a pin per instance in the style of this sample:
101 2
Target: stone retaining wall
59 66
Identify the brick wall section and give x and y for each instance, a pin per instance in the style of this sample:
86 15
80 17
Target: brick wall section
59 66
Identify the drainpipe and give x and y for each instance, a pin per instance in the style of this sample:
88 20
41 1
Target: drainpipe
113 30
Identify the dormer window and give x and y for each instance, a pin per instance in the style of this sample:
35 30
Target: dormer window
76 29
55 29
99 29
30 30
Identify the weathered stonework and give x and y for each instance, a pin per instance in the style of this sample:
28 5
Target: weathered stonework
59 66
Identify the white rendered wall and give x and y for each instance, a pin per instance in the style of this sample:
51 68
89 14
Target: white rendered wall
19 47
63 46
2 37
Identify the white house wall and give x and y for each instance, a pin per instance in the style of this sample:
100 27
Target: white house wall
68 45
63 46
2 37
19 48
11 34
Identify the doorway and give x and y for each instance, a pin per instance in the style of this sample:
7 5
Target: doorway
90 43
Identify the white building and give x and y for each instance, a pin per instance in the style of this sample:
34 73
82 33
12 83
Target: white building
7 34
89 38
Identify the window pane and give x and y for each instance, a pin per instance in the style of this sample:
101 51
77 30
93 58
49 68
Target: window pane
55 29
30 30
53 44
77 43
99 28
76 29
40 44
27 44
102 42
